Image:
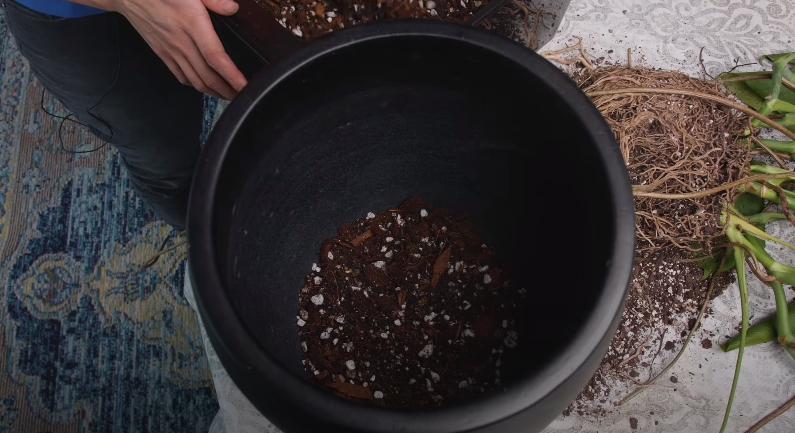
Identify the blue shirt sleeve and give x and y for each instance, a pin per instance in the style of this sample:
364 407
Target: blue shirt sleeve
60 8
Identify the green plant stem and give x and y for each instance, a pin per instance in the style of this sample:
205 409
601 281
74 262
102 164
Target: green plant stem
772 102
708 296
765 217
773 154
757 189
785 336
782 322
761 75
784 273
761 332
753 230
786 121
778 182
780 63
739 259
772 105
780 106
778 146
761 168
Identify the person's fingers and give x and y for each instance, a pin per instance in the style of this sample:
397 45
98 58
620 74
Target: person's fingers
190 48
194 78
208 75
223 7
175 69
216 57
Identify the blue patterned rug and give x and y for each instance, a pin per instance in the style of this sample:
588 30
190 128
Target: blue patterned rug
88 343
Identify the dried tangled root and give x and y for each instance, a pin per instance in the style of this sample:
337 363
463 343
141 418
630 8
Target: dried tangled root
672 144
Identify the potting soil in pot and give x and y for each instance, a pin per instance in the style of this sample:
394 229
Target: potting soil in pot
408 308
310 19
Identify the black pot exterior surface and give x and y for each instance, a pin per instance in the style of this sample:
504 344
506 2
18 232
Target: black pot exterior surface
365 118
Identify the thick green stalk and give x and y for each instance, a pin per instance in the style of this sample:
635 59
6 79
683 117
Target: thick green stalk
757 189
787 120
779 270
750 228
765 217
780 64
772 102
782 272
785 336
779 182
739 259
761 332
778 146
780 106
762 168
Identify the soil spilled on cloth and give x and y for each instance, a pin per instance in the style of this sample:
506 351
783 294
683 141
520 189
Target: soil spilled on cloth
664 298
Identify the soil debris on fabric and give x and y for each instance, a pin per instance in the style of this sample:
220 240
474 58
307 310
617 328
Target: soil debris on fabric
408 308
521 21
664 297
311 19
672 144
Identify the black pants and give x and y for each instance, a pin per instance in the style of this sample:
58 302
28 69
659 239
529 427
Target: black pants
101 69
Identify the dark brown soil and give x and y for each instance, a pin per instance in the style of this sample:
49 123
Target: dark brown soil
511 22
665 293
310 19
506 21
408 308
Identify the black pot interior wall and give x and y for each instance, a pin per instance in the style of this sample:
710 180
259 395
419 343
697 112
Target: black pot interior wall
366 127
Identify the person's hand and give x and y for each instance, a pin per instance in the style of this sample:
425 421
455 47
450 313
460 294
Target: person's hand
181 34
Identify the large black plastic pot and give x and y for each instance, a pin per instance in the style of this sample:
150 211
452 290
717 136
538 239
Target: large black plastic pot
363 119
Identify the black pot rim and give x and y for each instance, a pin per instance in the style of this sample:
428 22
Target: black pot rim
228 334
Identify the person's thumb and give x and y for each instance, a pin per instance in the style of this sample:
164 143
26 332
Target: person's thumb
223 7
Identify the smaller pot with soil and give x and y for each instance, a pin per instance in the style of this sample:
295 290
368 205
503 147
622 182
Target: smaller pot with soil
467 121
